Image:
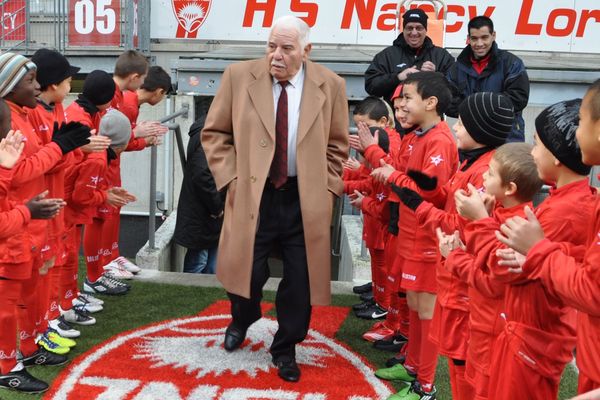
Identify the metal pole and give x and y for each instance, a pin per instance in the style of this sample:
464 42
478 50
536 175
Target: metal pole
177 129
152 216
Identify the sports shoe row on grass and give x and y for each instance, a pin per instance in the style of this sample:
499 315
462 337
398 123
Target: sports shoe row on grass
386 339
57 341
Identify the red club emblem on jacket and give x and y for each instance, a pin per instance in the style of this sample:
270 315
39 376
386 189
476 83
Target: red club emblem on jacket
190 15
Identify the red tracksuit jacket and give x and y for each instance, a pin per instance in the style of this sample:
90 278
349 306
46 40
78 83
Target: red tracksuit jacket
575 279
112 178
486 294
43 118
28 177
127 102
452 292
540 326
86 187
433 153
76 113
15 241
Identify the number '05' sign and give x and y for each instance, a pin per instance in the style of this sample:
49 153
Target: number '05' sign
94 22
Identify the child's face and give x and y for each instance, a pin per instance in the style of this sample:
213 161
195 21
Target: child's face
400 114
119 149
464 141
493 183
588 132
545 161
382 123
414 105
26 91
62 90
156 97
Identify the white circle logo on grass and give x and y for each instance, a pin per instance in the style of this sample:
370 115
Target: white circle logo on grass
184 359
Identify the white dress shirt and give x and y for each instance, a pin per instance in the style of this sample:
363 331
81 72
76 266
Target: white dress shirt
294 94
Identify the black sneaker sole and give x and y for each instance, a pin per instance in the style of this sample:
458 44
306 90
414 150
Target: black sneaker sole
11 389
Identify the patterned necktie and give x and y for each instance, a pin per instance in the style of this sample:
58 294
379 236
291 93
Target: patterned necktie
278 172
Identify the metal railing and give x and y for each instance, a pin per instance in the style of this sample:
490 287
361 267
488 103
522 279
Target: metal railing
28 25
184 112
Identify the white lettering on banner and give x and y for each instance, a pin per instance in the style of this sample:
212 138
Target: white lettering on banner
535 25
11 18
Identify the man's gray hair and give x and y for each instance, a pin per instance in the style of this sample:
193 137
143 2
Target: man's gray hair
289 21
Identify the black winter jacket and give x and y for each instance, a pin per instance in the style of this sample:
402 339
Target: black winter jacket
198 200
505 74
381 78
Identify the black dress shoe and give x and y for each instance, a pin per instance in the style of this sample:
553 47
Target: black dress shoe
367 287
22 381
288 369
44 357
234 338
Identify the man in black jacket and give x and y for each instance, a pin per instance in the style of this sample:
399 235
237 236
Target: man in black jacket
483 67
200 209
412 51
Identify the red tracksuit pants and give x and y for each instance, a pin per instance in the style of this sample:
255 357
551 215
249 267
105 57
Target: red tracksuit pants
100 245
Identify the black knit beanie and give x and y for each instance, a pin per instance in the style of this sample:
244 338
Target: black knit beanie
556 127
53 67
99 87
488 117
414 15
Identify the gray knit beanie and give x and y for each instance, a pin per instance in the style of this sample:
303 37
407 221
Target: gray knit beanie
115 125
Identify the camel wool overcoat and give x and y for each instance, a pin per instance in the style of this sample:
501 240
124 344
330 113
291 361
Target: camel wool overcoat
239 141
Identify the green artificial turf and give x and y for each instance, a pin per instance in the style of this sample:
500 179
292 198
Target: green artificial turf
149 302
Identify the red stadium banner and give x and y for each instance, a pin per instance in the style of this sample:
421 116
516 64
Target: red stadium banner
94 22
13 20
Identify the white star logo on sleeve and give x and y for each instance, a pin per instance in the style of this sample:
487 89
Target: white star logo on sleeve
380 196
436 160
410 148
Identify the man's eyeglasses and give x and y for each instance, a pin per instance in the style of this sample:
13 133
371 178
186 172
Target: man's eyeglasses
418 28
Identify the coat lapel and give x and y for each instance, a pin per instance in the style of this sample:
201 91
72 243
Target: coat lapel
313 99
261 94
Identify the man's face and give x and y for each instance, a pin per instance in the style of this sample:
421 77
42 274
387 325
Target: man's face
415 34
285 53
481 41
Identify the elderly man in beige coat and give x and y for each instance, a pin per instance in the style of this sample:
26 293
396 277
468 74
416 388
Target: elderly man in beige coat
275 137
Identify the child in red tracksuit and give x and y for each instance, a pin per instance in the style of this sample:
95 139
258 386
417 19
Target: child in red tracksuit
391 334
485 121
370 197
566 271
512 180
96 190
28 180
539 334
54 74
425 97
374 112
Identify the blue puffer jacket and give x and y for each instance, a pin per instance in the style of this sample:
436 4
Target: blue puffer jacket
505 74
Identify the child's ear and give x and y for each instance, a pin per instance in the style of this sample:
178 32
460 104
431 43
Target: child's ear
511 189
431 103
557 163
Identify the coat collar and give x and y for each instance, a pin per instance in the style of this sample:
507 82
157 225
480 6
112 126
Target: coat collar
261 94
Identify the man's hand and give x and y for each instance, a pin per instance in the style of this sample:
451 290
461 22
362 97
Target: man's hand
351 163
383 173
356 199
404 74
470 205
97 144
448 243
149 128
521 234
423 181
42 208
428 66
511 259
11 148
